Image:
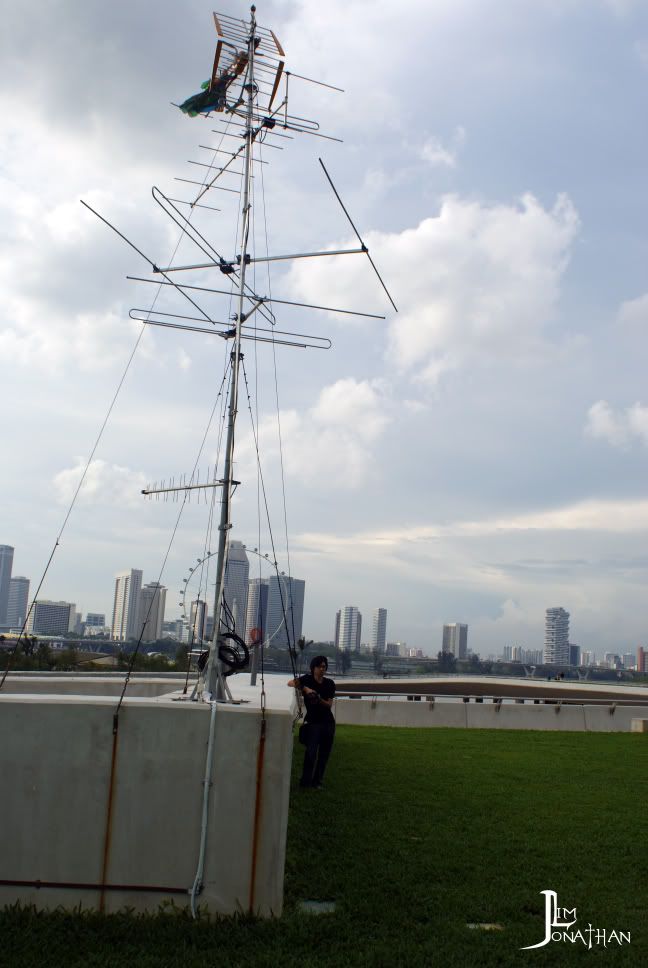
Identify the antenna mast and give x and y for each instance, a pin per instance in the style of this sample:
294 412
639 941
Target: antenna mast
215 682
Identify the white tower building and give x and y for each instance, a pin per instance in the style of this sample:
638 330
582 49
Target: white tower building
197 621
455 639
152 600
6 564
51 618
285 598
556 644
235 591
350 628
257 607
379 630
125 608
18 601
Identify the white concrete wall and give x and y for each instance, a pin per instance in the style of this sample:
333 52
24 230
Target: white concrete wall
93 685
55 761
486 715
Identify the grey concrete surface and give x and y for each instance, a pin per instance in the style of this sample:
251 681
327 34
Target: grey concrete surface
56 763
486 715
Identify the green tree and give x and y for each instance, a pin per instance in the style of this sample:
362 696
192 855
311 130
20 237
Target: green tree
446 662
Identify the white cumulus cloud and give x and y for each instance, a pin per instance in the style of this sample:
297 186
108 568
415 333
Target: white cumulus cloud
634 312
436 153
476 280
619 429
330 444
106 484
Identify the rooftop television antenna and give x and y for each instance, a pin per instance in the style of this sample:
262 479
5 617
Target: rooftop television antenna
247 97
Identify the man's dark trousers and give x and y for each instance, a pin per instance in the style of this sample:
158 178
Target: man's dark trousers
319 740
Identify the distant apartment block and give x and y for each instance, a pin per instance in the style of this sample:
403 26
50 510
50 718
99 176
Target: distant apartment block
128 585
379 630
197 621
349 628
257 608
173 629
556 643
51 618
151 604
235 591
455 639
6 564
642 660
95 619
285 611
574 654
517 653
18 601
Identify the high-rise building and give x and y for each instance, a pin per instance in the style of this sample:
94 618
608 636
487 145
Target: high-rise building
18 601
95 620
197 620
628 660
51 618
257 608
556 644
455 639
173 629
6 564
125 608
285 611
151 604
379 630
235 591
588 658
642 660
350 630
574 654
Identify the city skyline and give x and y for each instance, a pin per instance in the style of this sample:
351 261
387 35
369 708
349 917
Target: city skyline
481 453
255 607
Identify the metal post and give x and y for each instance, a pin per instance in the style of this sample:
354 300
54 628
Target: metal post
215 682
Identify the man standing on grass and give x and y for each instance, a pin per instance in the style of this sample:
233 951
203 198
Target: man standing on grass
319 724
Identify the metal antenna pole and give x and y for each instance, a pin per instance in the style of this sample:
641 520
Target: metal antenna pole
215 681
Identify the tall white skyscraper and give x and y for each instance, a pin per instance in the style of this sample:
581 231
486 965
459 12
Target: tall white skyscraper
51 618
350 628
556 643
455 639
257 606
6 564
285 598
237 573
125 608
152 600
379 630
18 601
197 621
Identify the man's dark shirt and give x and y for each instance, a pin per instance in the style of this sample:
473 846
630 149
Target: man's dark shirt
318 712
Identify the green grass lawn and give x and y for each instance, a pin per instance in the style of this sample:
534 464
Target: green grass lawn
417 834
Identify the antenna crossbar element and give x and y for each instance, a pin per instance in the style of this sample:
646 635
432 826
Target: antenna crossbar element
266 299
183 487
250 333
269 258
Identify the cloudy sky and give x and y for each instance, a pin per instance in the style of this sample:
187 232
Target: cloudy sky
479 456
